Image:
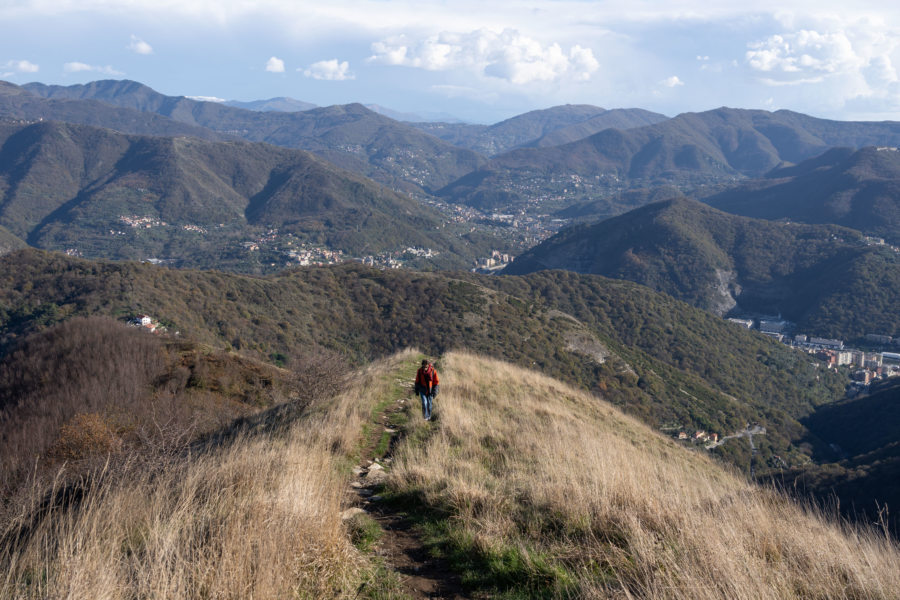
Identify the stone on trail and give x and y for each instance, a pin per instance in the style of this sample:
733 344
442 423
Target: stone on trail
352 512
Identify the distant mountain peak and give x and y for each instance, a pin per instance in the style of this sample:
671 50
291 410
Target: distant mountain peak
10 89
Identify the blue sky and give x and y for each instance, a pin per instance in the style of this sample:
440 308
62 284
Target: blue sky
481 61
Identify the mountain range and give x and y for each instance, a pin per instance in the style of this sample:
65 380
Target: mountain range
111 195
280 104
547 127
690 151
17 104
350 136
825 278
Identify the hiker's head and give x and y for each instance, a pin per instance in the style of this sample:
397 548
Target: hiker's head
424 362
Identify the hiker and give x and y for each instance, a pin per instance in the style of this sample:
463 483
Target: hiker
426 387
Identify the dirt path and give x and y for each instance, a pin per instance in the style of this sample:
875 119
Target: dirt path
400 546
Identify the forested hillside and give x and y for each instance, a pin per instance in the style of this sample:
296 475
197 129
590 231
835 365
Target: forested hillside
661 359
824 278
350 136
855 189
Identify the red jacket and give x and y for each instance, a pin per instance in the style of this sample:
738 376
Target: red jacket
427 378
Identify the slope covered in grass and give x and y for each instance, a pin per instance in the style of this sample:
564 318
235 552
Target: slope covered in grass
253 511
535 489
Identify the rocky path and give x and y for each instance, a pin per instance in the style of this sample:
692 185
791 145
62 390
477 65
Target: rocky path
400 545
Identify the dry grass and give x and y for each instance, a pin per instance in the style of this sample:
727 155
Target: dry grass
258 517
526 466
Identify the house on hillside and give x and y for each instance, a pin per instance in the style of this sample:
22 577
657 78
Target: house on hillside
700 436
145 322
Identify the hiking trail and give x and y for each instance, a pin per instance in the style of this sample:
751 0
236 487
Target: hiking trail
400 545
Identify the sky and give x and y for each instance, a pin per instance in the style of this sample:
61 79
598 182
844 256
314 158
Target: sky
479 61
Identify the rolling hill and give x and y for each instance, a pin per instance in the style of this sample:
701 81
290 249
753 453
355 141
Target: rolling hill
825 278
198 203
857 189
689 151
351 136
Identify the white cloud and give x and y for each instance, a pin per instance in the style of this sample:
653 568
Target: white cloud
139 46
275 65
804 51
206 98
852 64
507 55
671 82
20 66
330 70
80 67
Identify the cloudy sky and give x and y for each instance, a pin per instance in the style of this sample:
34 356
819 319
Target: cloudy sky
477 60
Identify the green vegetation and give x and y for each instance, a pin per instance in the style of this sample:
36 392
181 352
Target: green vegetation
858 457
364 532
651 355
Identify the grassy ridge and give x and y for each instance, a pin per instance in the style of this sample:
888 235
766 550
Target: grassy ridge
529 487
535 490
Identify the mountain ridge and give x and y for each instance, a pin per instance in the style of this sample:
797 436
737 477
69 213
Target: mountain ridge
689 151
544 127
351 136
857 189
724 263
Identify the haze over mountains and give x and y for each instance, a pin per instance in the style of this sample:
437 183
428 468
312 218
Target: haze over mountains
548 127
